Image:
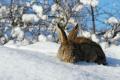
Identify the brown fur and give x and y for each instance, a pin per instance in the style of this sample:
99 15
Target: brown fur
82 40
73 34
74 49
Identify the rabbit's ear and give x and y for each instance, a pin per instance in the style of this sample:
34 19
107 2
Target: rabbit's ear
62 35
73 34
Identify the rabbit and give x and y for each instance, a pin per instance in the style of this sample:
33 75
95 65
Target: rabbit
74 49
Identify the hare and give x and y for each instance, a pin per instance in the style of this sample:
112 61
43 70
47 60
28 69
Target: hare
74 49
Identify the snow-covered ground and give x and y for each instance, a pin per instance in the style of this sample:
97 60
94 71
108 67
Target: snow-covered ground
39 62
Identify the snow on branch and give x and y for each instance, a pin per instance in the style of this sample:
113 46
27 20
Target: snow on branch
55 7
93 3
112 20
77 7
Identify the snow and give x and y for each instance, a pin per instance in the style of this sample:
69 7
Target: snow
38 9
29 36
77 7
89 35
93 3
84 33
54 7
33 18
28 4
30 18
44 17
42 38
95 38
72 21
2 40
3 11
18 33
38 62
112 20
105 45
113 51
45 47
109 34
23 58
117 37
50 38
25 42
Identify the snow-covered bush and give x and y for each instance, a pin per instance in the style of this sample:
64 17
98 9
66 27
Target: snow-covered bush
115 40
29 36
3 40
55 7
34 18
28 4
38 9
18 33
117 37
44 17
64 14
42 38
30 18
111 38
109 34
3 11
60 14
